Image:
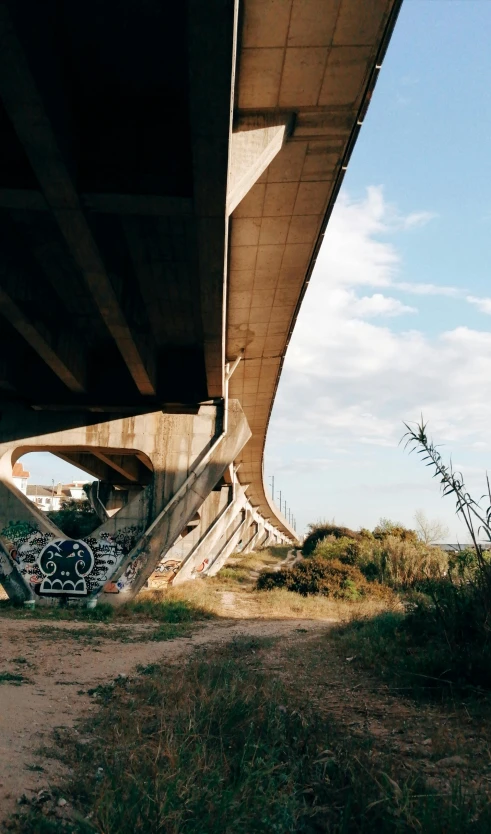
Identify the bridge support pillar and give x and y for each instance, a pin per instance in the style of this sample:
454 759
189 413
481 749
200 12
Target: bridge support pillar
182 457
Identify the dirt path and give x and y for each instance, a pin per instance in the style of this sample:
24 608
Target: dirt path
61 661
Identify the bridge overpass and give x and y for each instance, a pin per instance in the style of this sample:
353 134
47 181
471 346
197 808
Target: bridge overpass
166 176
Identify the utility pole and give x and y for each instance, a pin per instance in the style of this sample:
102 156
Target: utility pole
280 500
272 486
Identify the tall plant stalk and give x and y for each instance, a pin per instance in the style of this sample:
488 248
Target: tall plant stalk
476 520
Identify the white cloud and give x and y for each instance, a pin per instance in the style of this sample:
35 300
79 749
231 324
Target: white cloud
349 380
379 305
483 304
426 289
417 219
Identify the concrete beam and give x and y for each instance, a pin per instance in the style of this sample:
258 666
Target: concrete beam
124 465
86 461
26 110
212 30
232 537
254 143
64 358
210 546
146 205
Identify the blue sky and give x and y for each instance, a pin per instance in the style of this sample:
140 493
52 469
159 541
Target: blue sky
397 319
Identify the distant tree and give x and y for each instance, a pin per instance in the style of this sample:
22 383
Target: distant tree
76 519
386 527
429 530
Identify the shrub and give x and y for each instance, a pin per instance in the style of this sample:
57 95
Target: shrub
386 528
330 578
403 561
321 530
393 560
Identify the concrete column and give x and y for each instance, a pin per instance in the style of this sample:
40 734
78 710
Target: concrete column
192 547
218 541
188 454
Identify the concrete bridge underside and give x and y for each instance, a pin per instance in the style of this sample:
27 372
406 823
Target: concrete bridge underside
166 175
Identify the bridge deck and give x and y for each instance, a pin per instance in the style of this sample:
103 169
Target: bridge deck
124 285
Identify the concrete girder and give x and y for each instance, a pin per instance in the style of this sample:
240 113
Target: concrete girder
65 358
29 117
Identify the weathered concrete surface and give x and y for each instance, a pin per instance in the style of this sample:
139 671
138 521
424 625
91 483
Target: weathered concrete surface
163 531
189 455
203 558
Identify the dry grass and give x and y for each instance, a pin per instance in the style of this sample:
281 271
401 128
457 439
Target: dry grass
232 593
211 595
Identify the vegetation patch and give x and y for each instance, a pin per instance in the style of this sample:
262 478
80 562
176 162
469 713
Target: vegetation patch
438 647
152 606
327 577
12 677
75 518
321 530
221 745
94 635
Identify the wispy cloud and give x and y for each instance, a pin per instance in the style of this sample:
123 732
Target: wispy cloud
483 304
427 289
417 219
379 305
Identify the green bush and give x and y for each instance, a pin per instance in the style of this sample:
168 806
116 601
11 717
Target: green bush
321 530
386 527
330 578
393 560
76 519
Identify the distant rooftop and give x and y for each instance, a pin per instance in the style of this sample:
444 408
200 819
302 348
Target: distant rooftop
456 547
39 491
18 471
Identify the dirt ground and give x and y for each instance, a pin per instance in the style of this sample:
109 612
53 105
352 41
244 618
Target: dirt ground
60 668
62 661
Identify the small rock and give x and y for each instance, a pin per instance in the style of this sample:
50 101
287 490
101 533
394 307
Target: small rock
43 796
62 802
452 761
426 742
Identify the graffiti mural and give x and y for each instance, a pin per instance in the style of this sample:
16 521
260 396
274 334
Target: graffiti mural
98 556
65 563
